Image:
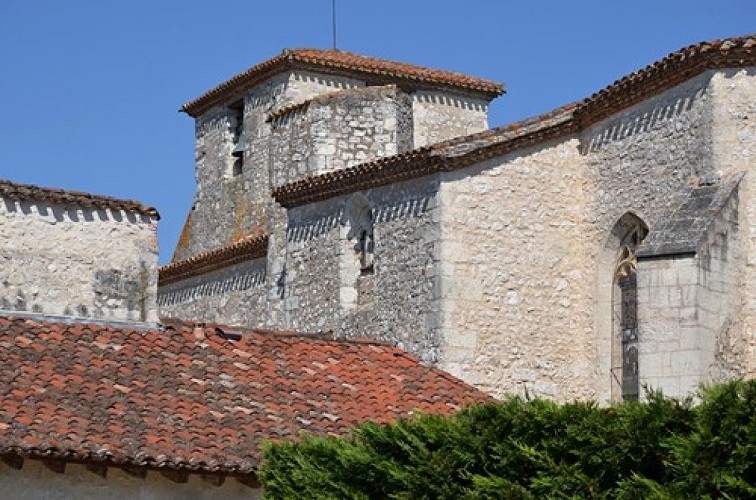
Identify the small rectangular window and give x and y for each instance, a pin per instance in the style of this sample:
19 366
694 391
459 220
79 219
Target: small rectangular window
238 151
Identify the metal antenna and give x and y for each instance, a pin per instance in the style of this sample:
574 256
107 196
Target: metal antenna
333 10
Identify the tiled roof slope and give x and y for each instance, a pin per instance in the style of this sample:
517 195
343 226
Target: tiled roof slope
250 247
172 400
371 69
460 152
684 228
17 191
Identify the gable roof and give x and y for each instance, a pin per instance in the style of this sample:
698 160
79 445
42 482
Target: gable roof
677 67
333 61
174 400
22 192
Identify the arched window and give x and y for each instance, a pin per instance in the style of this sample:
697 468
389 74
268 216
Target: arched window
618 302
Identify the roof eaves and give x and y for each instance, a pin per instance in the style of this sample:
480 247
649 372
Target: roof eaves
251 247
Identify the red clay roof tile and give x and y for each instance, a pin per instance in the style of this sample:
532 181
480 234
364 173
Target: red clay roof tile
371 69
165 399
252 246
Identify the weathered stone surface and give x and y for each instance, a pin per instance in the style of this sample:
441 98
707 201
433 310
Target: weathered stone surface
503 271
340 130
439 116
77 262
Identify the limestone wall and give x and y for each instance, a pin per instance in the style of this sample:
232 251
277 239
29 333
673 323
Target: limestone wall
399 300
235 295
340 130
672 347
527 286
36 481
230 200
80 262
733 139
516 274
690 313
311 280
438 116
641 160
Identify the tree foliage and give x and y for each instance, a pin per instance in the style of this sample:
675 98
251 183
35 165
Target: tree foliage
661 448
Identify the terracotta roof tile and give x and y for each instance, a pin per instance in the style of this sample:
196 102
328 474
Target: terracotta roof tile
252 246
467 150
187 398
372 69
64 197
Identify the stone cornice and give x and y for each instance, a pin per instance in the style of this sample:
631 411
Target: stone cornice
251 247
464 151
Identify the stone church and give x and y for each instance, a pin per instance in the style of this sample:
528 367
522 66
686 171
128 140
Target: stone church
590 252
360 247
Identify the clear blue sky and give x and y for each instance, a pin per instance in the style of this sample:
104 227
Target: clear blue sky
89 90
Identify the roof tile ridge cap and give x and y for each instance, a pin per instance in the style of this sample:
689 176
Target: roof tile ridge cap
562 114
249 239
94 324
328 177
233 81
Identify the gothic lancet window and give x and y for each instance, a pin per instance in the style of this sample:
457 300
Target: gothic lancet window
627 285
625 355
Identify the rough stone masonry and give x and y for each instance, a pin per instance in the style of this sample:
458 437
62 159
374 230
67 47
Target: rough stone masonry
391 212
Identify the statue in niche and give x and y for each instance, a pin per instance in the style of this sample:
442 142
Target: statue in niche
359 215
365 249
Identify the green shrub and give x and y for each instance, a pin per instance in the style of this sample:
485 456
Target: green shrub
660 448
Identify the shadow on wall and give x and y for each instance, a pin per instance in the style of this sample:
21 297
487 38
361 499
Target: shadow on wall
641 123
310 228
62 214
447 100
195 289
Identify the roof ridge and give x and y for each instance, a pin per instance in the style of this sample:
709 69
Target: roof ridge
60 196
373 69
323 337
